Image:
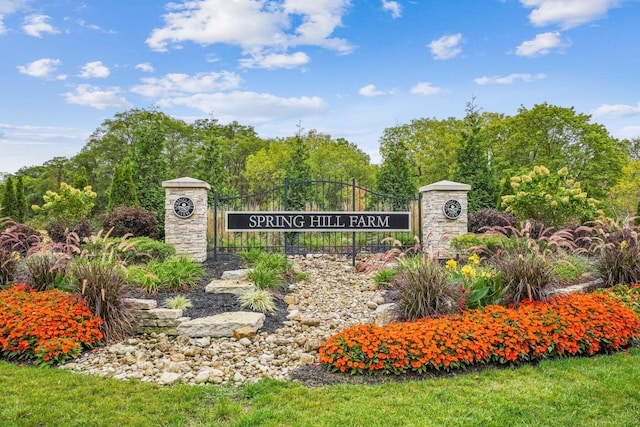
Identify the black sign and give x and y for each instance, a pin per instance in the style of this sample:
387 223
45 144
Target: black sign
318 221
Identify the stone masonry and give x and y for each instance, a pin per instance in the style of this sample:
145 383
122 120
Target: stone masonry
187 235
437 229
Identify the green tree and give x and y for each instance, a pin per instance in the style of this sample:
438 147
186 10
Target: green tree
431 146
80 180
9 201
298 172
394 177
149 166
209 157
473 164
557 137
21 201
123 190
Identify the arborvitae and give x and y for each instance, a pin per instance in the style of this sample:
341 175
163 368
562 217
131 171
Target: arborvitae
123 190
473 164
394 181
21 201
80 179
9 201
298 173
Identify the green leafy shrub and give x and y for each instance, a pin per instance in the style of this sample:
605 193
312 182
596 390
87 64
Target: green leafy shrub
101 282
384 277
251 256
68 206
629 296
147 248
482 286
490 243
177 273
274 261
569 268
265 278
422 288
46 327
144 278
258 300
131 220
177 302
551 198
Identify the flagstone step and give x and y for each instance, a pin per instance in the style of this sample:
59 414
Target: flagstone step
221 325
236 287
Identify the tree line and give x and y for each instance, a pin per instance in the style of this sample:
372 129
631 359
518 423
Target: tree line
128 156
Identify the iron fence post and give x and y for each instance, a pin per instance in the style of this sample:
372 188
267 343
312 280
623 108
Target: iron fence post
353 234
215 225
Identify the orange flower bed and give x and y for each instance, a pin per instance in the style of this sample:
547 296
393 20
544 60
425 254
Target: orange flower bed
46 327
563 326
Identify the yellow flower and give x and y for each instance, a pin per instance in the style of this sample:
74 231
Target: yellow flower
451 264
475 259
624 244
468 271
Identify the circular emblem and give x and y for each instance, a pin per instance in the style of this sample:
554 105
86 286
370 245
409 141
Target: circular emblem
184 207
452 208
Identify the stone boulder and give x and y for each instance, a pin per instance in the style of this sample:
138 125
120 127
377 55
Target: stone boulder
221 325
231 286
236 274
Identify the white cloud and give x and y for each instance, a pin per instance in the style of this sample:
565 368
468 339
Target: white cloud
255 26
35 25
276 60
425 88
249 107
511 78
629 132
94 69
93 96
393 7
370 90
567 13
542 44
446 47
7 7
145 66
43 68
616 110
179 84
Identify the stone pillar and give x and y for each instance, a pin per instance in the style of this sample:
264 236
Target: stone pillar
185 216
444 210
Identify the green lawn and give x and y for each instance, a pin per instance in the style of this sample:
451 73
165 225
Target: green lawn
599 391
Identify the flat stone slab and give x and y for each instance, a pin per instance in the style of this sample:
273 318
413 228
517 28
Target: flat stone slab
221 325
140 304
235 274
229 286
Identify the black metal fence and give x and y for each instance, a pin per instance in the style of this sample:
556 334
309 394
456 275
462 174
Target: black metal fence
312 196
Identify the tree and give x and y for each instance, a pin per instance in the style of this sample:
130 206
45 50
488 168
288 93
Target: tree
80 180
394 178
473 164
21 202
298 172
209 158
431 146
557 137
123 190
9 200
149 166
67 206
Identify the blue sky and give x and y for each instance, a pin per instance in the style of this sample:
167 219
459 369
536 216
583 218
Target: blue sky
346 68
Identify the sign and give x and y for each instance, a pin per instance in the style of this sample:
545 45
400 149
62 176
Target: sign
183 207
452 209
317 221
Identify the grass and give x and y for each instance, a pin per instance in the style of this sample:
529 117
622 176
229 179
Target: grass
598 391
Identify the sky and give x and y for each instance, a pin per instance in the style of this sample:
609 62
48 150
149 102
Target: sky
347 68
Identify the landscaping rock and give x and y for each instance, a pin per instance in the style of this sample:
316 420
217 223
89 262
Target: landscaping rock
221 325
233 286
240 274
